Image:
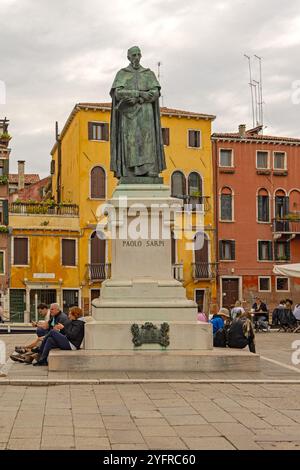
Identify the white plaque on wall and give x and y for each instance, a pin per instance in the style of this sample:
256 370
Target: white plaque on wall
44 275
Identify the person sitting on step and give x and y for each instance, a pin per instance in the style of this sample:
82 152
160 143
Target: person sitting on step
67 337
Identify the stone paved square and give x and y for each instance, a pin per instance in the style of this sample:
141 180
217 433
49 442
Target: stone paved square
191 413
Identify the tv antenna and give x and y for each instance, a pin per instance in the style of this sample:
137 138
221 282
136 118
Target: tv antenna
261 103
251 87
256 93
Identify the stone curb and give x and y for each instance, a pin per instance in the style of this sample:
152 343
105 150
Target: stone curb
40 382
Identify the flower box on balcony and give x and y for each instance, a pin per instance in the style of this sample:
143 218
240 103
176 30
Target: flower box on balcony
3 179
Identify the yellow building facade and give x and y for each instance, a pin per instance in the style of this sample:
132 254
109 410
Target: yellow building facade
81 178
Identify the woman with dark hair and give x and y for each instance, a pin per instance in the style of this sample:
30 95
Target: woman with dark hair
68 336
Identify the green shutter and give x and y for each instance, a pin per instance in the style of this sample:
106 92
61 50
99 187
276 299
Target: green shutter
288 250
270 249
90 131
276 251
5 167
5 212
233 249
52 167
259 251
220 249
106 132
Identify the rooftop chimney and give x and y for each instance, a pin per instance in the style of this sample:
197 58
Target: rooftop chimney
242 130
21 174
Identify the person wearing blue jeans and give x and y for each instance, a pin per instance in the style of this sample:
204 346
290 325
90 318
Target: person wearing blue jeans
67 337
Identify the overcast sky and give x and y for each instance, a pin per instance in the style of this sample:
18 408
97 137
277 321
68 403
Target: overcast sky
55 53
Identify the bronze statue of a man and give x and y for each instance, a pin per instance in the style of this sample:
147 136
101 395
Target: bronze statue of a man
135 131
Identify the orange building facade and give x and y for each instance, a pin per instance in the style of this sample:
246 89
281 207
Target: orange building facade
257 193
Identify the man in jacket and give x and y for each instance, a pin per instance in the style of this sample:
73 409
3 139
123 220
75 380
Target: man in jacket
241 334
67 337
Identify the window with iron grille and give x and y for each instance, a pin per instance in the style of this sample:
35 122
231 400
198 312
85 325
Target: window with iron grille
20 251
68 247
98 131
194 139
227 250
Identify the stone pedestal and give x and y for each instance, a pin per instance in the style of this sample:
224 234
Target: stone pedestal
142 287
142 290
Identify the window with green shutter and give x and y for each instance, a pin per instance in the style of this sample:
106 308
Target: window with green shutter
265 250
227 250
1 262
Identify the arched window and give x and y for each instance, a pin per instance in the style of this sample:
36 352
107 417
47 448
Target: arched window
195 188
281 210
178 184
263 206
98 183
226 204
97 257
202 266
281 204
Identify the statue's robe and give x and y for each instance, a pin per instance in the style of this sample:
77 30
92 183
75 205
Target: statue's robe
135 131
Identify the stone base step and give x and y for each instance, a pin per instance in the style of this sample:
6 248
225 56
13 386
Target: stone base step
216 360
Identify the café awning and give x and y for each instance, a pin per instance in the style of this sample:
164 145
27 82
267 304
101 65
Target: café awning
291 270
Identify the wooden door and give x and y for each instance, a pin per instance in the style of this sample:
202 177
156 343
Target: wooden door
230 292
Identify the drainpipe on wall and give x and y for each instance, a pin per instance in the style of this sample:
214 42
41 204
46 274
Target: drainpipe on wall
215 157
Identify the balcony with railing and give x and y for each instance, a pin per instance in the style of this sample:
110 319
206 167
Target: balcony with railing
289 225
40 208
200 203
98 272
178 271
203 270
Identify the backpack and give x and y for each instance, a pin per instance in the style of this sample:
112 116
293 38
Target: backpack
220 338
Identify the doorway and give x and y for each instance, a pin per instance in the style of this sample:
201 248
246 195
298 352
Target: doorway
199 299
230 292
70 299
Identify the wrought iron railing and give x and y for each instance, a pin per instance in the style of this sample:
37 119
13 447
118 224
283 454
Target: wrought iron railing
99 271
43 208
204 270
202 203
286 225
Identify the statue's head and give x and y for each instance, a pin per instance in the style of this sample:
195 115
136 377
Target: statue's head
134 56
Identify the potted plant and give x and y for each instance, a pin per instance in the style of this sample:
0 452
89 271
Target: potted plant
5 137
3 179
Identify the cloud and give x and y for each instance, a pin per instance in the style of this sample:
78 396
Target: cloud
55 54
